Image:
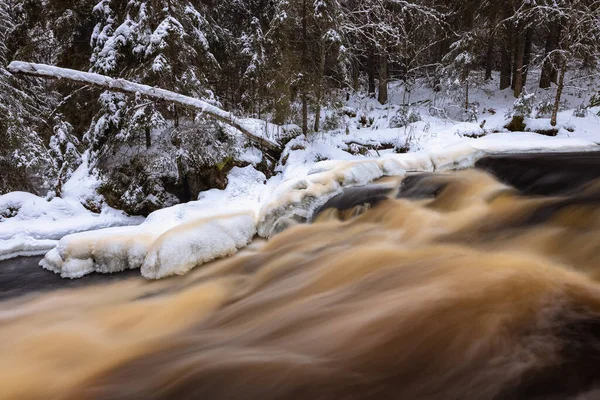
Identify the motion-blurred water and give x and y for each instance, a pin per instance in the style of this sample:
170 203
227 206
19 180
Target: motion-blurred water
459 285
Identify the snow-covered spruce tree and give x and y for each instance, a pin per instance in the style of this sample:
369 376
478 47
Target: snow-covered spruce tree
329 50
372 28
64 152
240 48
253 47
155 44
25 161
167 45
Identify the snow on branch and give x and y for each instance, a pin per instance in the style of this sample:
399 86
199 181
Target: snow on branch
122 85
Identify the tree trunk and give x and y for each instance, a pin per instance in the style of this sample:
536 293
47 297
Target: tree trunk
355 75
305 69
466 95
489 64
514 45
319 89
304 113
148 138
548 68
554 75
507 47
518 64
466 80
382 97
317 124
559 90
505 69
371 73
527 54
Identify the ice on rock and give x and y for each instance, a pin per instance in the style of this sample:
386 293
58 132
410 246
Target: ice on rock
194 243
296 199
24 246
158 253
106 251
409 162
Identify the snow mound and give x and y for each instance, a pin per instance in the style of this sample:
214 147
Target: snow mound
82 186
194 243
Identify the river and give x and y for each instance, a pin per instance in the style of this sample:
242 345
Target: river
476 284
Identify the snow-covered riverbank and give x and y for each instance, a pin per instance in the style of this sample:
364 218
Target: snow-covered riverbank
174 240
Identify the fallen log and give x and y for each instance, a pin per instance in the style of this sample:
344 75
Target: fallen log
122 85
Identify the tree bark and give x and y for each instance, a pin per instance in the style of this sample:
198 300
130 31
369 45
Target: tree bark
518 65
548 68
554 74
124 86
317 124
371 73
466 80
148 138
505 69
319 88
355 75
466 95
305 69
507 48
382 96
514 46
527 54
559 90
489 63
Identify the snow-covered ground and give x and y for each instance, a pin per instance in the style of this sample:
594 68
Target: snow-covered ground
312 170
31 225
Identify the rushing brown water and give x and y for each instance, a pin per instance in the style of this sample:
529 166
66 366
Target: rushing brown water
442 286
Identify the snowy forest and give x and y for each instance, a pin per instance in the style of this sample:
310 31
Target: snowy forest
363 77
